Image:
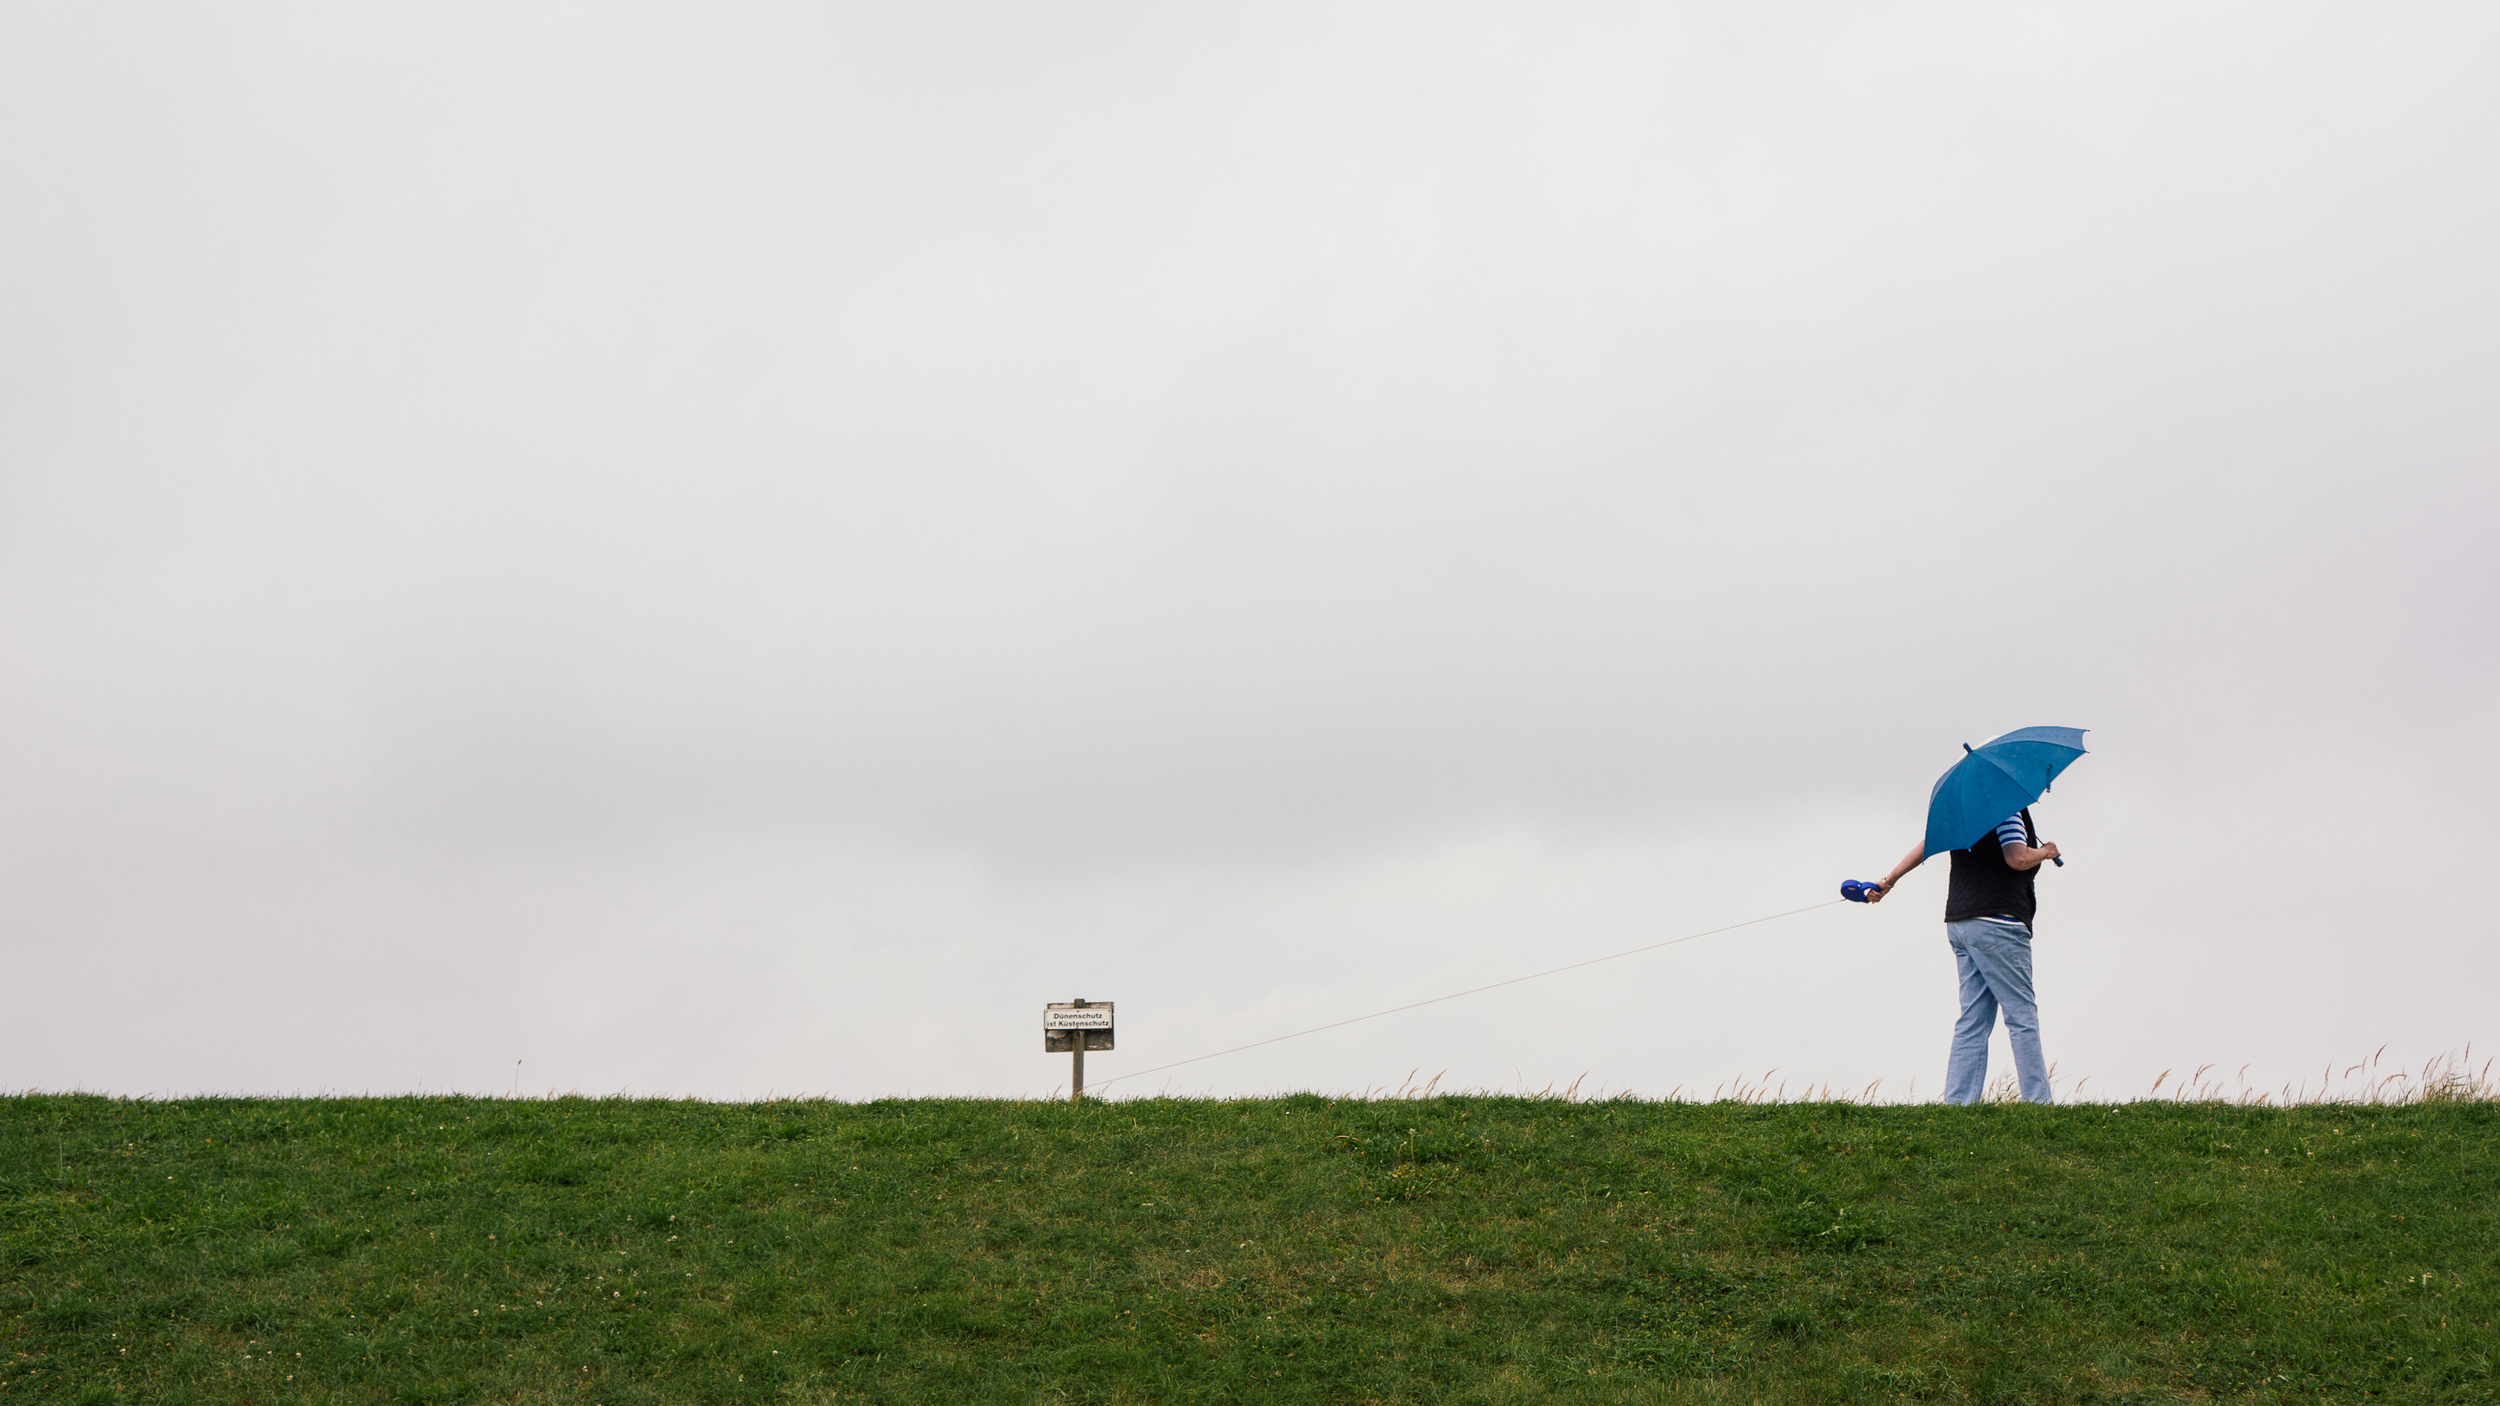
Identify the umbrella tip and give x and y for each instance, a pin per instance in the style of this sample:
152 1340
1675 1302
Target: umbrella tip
1965 746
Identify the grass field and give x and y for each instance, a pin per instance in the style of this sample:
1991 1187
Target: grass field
1451 1249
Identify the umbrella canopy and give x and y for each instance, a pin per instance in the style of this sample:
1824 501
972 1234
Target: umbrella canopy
1997 778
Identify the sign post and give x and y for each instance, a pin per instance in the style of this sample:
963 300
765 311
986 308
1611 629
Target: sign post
1076 1027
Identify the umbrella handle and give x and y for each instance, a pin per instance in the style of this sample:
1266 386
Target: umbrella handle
2026 815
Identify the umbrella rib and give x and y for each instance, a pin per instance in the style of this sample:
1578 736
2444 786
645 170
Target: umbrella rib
2004 766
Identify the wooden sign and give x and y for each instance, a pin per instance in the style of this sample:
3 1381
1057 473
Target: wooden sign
1065 1024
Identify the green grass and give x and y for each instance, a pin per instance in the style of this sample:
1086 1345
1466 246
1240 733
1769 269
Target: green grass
1448 1249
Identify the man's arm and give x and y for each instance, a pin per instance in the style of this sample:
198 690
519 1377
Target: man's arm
2026 857
1910 861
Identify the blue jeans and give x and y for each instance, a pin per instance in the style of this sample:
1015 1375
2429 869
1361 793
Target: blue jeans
1993 956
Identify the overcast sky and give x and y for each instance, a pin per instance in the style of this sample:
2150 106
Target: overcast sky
727 550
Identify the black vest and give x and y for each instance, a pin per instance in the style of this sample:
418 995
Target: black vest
1985 886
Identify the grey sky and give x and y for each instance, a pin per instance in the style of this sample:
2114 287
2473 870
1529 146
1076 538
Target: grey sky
725 552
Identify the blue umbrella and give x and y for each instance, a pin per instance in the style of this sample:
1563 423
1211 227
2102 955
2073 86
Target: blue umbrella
1998 778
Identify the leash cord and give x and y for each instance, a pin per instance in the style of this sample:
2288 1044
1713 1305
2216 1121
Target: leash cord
1471 991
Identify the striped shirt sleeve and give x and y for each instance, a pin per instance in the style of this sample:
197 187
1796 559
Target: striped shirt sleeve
2010 832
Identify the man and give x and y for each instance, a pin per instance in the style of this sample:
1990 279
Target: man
1987 917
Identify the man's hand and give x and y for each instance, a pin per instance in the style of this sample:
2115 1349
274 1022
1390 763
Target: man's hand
1876 893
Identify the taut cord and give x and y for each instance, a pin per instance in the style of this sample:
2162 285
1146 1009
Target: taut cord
1471 991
